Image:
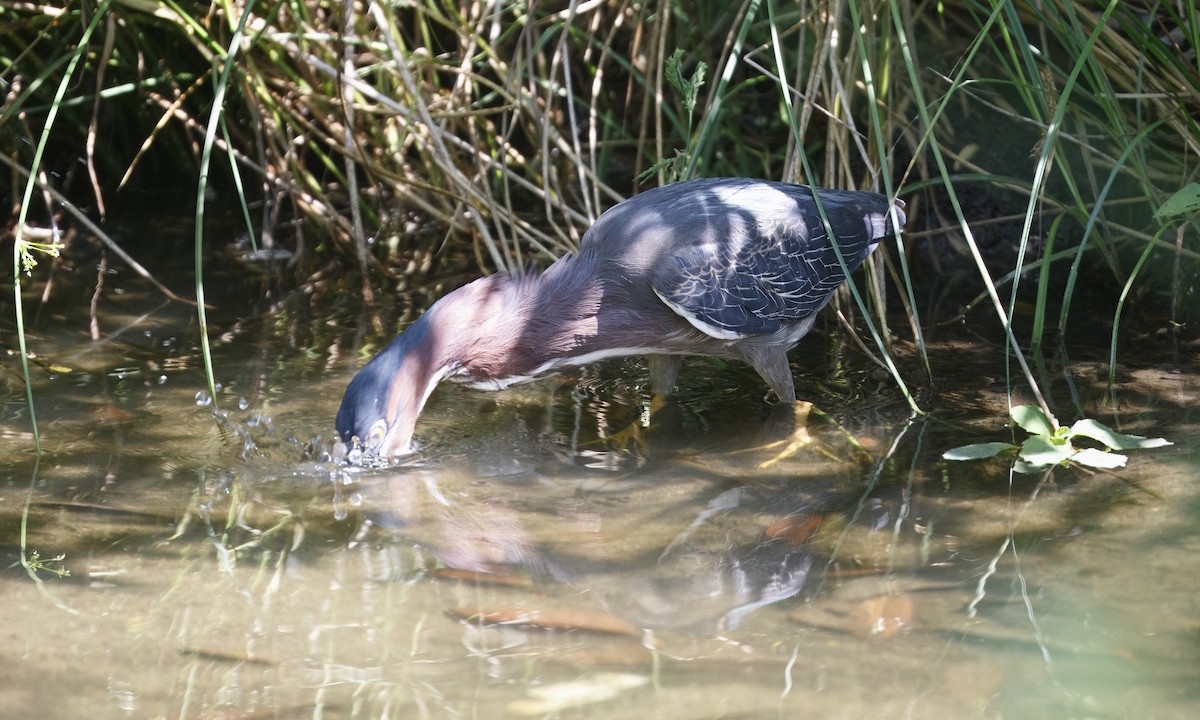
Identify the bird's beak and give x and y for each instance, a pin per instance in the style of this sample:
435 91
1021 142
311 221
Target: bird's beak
392 445
391 435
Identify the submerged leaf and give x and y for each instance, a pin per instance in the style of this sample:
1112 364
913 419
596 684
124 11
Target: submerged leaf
1032 420
500 578
549 619
794 529
884 615
1113 439
553 699
1099 459
1185 200
978 451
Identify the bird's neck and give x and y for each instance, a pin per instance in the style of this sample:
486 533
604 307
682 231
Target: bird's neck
501 330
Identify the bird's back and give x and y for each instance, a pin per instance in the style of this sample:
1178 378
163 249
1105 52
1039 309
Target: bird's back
738 257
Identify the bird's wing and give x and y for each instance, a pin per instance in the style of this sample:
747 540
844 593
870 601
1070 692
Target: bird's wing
753 278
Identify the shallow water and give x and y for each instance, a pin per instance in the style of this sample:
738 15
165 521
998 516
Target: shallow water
557 550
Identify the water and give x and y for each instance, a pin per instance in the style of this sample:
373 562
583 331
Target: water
553 554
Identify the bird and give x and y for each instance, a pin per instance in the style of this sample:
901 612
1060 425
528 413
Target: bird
735 268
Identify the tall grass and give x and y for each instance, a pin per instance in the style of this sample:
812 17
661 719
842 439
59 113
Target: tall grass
375 136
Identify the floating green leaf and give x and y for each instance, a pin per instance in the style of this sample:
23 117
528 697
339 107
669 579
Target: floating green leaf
1032 420
1028 468
1113 439
1044 451
978 451
1099 458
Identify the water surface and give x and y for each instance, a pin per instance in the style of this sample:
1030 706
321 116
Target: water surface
559 550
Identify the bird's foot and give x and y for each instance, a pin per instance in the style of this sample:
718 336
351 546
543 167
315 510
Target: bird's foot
792 420
633 435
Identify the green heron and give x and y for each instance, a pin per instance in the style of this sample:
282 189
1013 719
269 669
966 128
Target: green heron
729 267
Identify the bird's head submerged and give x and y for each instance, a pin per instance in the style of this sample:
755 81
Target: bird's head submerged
381 404
383 401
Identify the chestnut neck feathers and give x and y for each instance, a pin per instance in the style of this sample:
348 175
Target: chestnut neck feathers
502 329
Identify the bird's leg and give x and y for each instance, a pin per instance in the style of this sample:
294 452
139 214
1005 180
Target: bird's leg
663 371
796 423
791 417
771 362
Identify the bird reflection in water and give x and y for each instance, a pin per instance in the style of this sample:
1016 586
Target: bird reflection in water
704 577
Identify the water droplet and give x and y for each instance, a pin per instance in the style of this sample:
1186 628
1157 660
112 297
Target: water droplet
243 403
162 379
203 399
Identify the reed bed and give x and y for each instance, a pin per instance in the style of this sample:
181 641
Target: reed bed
1036 143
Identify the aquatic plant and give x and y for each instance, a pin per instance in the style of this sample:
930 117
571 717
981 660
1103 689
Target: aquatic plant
1049 445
